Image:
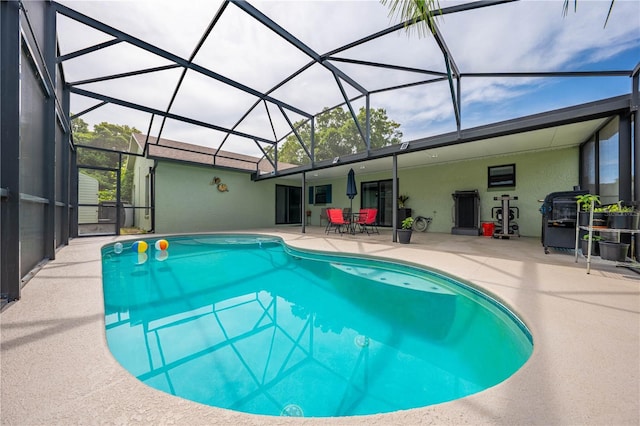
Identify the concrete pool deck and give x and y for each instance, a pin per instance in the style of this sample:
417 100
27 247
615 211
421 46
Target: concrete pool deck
56 368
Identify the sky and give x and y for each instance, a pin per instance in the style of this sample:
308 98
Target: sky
525 36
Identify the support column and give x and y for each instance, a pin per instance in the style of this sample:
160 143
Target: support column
635 108
66 171
49 121
394 186
73 193
304 202
10 150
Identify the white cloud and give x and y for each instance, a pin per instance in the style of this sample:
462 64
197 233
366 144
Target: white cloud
519 36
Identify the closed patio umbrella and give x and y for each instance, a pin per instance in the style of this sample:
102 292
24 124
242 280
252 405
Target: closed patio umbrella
352 191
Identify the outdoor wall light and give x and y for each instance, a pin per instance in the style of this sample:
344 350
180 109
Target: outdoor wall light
335 160
404 146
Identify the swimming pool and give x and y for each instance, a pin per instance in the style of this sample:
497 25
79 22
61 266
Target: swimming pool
246 323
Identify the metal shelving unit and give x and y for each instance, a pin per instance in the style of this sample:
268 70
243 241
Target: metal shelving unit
591 230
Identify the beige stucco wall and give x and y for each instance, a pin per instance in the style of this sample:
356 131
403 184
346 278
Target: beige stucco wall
430 188
537 174
187 202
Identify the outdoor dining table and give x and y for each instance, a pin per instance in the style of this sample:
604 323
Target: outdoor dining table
353 218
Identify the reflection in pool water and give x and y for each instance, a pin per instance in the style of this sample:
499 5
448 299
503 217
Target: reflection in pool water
245 323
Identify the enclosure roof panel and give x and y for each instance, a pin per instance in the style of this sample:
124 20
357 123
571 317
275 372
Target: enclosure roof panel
237 76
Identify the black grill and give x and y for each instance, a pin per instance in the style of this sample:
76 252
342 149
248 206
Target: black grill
559 218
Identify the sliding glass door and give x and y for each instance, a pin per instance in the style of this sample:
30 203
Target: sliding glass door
288 205
379 195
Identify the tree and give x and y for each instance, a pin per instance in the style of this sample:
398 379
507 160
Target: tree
108 136
421 14
336 135
565 9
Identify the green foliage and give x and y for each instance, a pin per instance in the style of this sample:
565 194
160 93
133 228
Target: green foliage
585 201
593 237
418 14
407 223
108 136
336 134
619 208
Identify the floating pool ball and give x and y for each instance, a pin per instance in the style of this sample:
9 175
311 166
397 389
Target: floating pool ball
162 245
139 246
117 248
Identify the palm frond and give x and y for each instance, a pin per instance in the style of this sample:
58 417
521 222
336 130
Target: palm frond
418 15
565 9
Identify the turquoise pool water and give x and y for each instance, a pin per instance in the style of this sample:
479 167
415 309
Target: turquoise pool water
243 322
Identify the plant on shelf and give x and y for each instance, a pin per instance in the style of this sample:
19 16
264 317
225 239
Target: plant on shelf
595 247
599 213
404 234
402 199
619 208
586 200
622 217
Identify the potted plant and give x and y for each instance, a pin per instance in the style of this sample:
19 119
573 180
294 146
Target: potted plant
404 234
403 211
599 215
595 246
622 217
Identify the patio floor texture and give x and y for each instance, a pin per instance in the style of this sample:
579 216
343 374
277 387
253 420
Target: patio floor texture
56 368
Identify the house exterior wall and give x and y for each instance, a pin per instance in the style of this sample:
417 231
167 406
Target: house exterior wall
430 188
141 216
186 201
537 174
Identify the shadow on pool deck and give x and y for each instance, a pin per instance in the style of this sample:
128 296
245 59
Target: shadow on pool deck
57 369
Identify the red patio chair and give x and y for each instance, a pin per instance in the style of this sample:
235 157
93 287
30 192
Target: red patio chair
361 220
337 221
370 221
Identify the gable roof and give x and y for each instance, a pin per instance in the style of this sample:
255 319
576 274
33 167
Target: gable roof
167 149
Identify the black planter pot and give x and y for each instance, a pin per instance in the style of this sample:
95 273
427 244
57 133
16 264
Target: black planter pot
624 220
595 247
404 235
613 251
600 219
583 218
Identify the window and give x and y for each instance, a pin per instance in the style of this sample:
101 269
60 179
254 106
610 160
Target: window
322 194
501 176
588 166
609 164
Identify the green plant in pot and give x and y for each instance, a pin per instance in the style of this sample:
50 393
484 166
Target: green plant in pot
404 234
622 217
402 199
586 201
595 246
